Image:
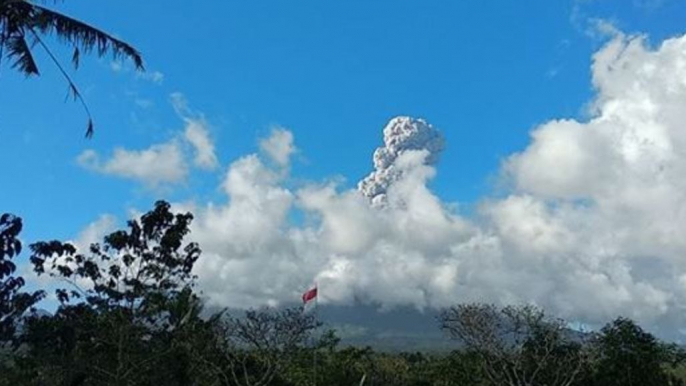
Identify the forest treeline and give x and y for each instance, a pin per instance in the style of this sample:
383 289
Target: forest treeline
129 314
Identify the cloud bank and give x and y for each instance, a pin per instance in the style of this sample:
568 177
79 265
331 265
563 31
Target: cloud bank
592 226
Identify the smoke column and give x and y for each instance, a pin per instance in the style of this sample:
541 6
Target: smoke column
401 134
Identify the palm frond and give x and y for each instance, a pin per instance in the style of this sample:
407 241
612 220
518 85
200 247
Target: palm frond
19 18
81 35
73 90
75 57
19 51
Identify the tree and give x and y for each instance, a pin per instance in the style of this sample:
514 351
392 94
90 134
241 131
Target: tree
516 346
135 271
127 309
629 356
24 25
13 303
342 367
454 369
256 347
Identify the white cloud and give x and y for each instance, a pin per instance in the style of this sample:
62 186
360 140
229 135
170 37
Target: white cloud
95 231
609 193
92 233
279 146
116 66
155 77
180 104
198 136
155 166
196 132
144 103
165 163
592 226
253 255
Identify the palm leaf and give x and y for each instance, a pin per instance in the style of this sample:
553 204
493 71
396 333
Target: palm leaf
19 51
73 90
81 35
19 18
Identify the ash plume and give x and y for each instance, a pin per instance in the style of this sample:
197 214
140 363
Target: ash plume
401 134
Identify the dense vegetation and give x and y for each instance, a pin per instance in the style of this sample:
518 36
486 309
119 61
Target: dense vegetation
129 314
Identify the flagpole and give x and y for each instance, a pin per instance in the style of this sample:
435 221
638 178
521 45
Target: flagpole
316 300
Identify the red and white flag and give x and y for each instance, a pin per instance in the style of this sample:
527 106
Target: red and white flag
309 295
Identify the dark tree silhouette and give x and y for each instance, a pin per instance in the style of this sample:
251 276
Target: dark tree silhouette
257 347
135 270
126 308
630 356
13 303
516 346
25 25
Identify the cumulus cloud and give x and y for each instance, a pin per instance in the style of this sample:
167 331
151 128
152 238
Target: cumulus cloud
254 255
95 231
92 233
591 228
198 136
164 163
196 132
155 166
279 146
609 192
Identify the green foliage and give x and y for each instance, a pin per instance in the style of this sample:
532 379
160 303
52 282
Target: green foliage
129 311
135 271
344 366
629 356
517 346
255 349
13 302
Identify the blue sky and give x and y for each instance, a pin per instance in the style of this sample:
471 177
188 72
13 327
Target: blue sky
485 73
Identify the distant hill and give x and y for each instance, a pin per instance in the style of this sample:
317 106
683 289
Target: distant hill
399 329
